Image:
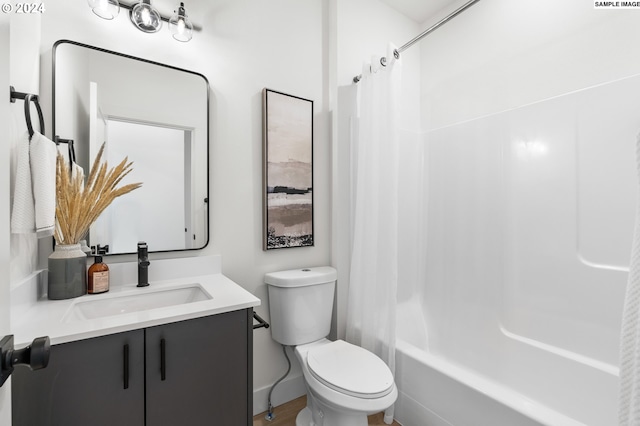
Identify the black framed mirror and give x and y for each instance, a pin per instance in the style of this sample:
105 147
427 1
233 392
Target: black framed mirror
157 115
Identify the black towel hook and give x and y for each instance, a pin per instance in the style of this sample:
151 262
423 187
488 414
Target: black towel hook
27 114
28 98
71 149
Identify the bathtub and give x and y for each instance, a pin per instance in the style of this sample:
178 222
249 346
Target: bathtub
550 390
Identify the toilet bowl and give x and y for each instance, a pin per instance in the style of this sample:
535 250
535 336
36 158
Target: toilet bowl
345 383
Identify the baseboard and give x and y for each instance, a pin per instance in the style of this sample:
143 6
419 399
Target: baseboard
287 390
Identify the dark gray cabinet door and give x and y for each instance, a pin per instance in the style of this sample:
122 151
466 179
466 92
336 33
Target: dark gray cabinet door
198 371
85 383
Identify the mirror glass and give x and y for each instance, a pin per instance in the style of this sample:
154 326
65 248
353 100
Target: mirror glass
157 116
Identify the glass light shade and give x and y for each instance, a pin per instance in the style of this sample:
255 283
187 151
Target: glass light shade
106 9
146 17
180 25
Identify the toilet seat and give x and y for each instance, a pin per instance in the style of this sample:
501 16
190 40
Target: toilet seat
350 369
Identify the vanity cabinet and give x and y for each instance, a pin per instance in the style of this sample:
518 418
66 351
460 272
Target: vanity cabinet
198 372
83 384
193 372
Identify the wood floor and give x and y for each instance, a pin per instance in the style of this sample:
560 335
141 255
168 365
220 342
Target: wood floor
286 415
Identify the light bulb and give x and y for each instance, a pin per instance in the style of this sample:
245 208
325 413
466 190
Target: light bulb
180 25
146 17
106 9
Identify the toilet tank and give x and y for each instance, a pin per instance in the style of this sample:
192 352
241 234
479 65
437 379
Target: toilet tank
300 304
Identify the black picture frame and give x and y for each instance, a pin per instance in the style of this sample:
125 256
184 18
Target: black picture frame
287 171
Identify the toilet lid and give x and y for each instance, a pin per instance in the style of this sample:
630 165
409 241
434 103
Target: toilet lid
350 369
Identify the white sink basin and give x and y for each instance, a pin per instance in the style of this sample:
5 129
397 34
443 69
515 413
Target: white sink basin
134 301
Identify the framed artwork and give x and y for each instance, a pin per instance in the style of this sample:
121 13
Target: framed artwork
287 170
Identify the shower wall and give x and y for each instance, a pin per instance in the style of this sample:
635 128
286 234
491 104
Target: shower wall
530 112
556 180
529 224
532 211
501 54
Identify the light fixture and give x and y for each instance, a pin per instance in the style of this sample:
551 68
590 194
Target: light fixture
146 17
106 9
180 25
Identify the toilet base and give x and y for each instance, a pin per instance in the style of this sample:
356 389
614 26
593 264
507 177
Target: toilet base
304 417
326 416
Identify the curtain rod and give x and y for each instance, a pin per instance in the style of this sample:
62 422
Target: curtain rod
396 52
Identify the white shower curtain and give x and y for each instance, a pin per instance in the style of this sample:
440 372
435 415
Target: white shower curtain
371 306
629 410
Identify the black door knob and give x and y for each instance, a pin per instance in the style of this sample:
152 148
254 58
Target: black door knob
35 356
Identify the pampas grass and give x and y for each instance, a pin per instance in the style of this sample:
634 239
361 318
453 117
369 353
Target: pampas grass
79 205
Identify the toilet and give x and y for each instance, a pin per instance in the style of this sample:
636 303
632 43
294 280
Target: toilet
344 382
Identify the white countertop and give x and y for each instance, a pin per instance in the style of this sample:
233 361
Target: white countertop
33 315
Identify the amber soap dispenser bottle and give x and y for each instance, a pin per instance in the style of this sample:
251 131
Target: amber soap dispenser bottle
98 274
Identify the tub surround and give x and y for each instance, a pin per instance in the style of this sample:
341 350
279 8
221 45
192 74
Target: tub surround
519 309
34 315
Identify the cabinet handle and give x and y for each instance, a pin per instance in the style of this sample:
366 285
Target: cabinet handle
125 353
163 367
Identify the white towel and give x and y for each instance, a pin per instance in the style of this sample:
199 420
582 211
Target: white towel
34 200
23 211
629 407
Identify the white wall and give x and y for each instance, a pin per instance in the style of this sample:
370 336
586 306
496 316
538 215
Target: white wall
244 47
24 76
5 391
19 53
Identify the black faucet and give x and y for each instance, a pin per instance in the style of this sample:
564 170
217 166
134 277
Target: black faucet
143 264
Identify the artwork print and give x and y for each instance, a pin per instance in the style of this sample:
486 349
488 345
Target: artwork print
287 170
